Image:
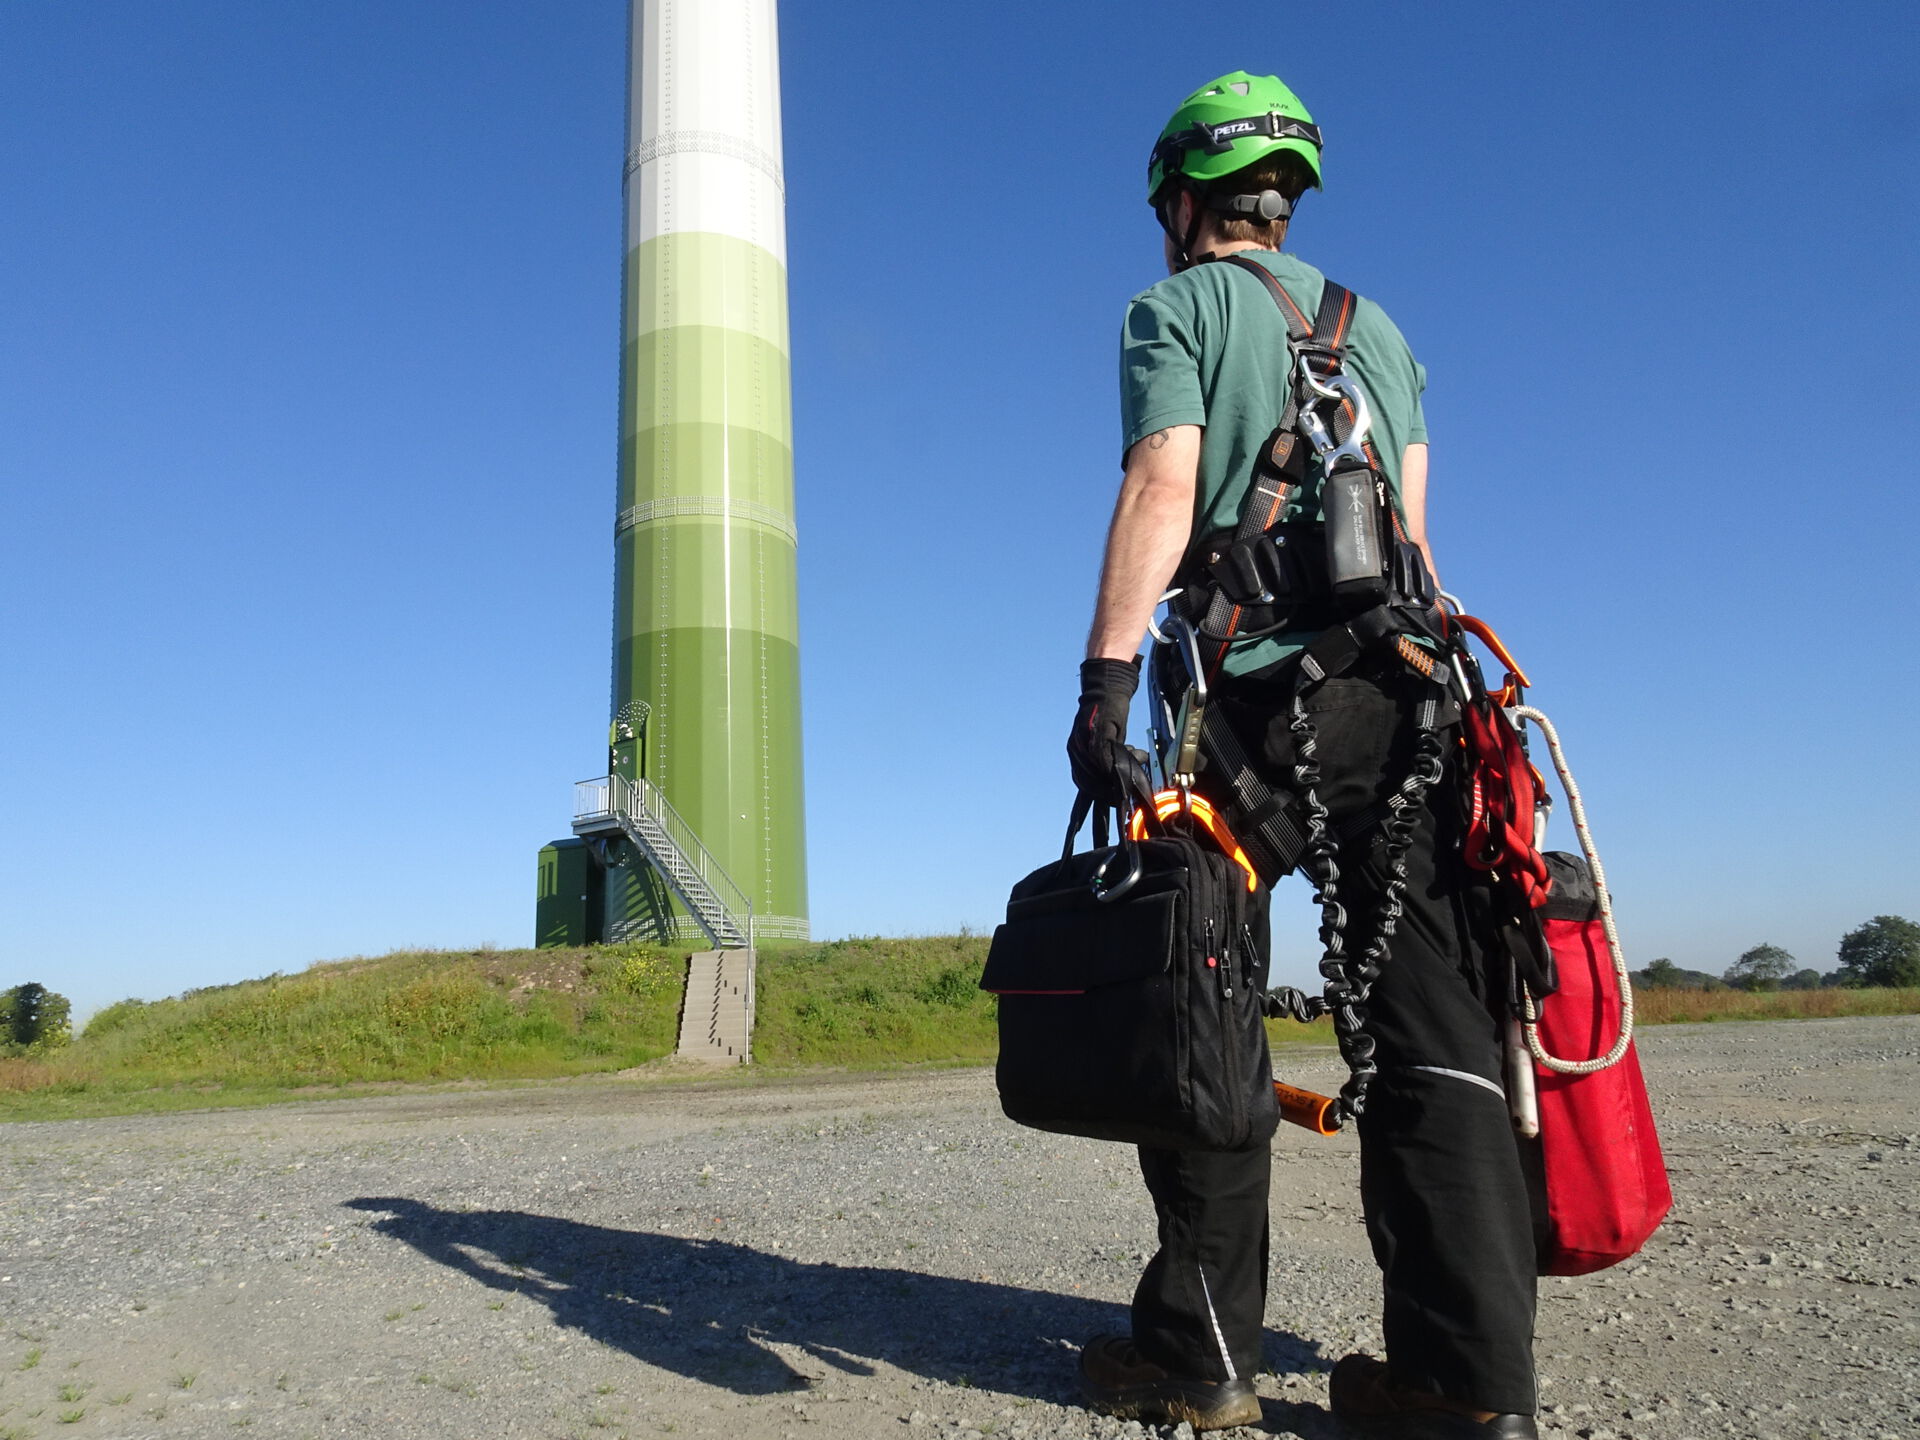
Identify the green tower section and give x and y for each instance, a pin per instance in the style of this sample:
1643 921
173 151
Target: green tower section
706 641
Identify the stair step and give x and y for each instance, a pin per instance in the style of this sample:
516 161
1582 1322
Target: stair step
716 1021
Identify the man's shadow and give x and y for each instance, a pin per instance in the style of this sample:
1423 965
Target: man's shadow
712 1310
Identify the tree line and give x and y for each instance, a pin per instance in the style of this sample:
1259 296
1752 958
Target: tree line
1885 951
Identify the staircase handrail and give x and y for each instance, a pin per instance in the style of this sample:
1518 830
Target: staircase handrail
624 798
687 839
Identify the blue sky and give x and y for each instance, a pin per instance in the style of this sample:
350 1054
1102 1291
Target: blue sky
308 329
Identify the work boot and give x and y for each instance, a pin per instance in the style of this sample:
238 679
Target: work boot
1117 1380
1371 1406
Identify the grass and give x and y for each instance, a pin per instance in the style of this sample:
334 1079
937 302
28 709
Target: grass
873 1001
1686 1007
446 1017
412 1017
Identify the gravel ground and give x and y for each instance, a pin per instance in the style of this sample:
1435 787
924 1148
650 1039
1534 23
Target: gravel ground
862 1256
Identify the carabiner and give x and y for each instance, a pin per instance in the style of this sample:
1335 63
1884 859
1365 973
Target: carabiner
1348 391
1181 758
1180 634
1104 892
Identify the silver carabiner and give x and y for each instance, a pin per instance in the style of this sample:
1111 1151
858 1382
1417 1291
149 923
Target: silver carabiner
1462 686
1185 756
1341 388
1178 632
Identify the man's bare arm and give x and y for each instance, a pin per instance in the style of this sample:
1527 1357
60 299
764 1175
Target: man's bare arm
1413 501
1151 524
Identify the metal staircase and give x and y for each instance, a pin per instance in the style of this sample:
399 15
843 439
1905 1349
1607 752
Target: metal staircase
637 810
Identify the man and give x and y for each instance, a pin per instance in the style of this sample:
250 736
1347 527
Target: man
1205 375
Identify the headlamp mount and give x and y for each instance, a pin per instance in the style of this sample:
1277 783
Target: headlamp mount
1264 205
1218 139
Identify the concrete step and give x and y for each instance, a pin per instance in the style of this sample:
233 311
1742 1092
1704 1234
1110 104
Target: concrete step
716 1017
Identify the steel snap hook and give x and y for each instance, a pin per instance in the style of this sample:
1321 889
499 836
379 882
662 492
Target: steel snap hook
1334 388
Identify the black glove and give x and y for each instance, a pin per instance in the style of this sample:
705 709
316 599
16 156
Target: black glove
1103 765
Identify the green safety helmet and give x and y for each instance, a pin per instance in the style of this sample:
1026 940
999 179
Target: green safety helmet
1227 125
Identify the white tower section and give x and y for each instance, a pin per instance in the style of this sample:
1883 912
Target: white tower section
705 123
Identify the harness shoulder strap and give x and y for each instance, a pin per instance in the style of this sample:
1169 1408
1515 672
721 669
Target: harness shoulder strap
1299 328
1333 320
1321 341
1279 468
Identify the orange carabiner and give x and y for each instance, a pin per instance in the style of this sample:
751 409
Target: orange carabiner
1515 675
1169 803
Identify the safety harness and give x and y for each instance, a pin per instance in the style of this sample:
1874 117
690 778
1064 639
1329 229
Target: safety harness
1355 579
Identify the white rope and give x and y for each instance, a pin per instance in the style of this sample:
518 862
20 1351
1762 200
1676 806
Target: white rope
1621 979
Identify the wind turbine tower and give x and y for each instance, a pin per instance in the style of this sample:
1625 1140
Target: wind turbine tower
697 828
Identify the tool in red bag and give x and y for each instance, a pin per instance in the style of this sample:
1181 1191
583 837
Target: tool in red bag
1606 1181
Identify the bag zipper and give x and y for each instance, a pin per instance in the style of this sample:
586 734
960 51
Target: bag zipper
1222 964
1229 1057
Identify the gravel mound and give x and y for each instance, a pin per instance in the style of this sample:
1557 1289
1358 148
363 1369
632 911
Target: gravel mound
887 1256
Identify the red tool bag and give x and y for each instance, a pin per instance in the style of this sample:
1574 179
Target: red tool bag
1607 1184
1606 1181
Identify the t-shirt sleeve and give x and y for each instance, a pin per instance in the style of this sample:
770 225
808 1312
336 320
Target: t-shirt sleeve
1395 381
1159 371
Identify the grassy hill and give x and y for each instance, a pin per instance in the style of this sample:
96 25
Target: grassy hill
500 1015
506 1015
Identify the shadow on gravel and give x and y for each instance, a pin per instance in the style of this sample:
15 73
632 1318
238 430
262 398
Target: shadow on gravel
712 1310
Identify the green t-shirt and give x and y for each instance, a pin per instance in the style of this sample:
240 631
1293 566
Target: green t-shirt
1208 347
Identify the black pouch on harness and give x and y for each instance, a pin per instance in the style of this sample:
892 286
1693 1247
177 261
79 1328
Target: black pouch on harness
1136 1017
1356 567
1284 566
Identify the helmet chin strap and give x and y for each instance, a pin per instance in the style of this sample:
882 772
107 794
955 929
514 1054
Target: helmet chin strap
1183 248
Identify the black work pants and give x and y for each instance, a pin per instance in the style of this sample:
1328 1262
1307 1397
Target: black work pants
1441 1178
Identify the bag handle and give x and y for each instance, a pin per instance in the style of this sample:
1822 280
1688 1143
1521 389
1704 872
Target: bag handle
1082 807
1622 983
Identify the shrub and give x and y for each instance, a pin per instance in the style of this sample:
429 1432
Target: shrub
951 986
113 1018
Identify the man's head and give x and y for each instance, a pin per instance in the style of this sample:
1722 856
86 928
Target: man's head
1230 164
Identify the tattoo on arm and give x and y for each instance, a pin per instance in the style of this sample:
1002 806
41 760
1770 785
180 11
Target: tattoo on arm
1159 438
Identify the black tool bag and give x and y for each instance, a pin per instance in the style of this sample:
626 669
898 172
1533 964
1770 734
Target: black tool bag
1130 979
